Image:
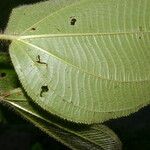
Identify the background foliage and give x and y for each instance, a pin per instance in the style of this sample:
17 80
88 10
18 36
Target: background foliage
133 131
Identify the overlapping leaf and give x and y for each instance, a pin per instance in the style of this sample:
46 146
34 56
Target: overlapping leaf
95 137
85 61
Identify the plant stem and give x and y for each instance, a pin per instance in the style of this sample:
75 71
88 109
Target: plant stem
8 37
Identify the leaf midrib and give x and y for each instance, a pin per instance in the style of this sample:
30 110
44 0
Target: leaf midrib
23 37
77 67
81 34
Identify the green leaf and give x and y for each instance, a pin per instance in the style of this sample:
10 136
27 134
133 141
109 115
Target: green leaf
96 137
85 61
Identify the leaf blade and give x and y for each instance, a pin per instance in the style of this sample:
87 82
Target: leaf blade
87 77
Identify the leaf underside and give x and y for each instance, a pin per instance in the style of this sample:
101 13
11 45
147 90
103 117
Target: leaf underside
95 137
85 61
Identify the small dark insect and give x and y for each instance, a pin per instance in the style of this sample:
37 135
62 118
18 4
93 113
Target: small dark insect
43 90
73 21
39 60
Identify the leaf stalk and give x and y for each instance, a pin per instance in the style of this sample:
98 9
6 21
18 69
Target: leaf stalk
8 37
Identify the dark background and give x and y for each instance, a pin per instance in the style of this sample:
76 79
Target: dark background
18 134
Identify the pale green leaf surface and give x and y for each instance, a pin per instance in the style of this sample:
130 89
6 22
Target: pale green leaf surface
95 137
94 70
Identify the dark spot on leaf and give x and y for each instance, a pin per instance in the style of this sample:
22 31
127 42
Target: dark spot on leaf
43 90
140 32
39 60
33 29
73 21
58 29
2 75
